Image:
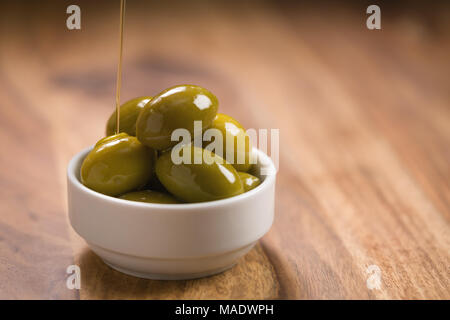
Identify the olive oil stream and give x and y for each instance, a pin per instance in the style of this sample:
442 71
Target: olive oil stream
119 65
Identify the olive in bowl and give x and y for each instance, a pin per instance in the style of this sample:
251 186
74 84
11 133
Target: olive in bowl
236 146
200 182
149 196
249 181
175 108
117 164
128 112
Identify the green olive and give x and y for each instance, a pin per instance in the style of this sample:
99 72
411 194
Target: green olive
117 164
111 138
149 196
128 112
250 182
174 108
191 182
239 151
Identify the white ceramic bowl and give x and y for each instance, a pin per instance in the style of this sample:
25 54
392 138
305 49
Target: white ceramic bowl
171 241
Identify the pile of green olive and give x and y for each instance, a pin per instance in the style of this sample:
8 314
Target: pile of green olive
136 163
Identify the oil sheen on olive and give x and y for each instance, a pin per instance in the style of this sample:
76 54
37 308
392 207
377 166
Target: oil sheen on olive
240 153
198 182
111 138
174 108
129 112
249 181
150 196
117 164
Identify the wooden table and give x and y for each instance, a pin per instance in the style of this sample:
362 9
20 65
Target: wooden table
364 119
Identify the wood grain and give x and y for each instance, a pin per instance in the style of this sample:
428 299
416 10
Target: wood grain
364 119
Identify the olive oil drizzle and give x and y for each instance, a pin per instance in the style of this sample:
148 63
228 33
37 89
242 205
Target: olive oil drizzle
119 66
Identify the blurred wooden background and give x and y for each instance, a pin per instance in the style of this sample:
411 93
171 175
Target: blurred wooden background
364 119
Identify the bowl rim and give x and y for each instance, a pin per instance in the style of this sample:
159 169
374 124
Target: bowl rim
266 183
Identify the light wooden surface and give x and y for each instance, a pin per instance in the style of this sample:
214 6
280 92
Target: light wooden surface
364 119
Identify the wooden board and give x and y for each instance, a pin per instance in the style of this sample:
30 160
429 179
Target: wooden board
364 119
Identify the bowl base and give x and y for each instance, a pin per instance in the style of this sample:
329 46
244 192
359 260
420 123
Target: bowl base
170 269
162 276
